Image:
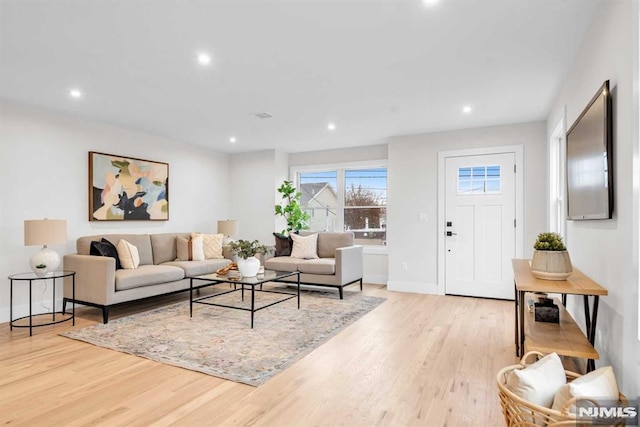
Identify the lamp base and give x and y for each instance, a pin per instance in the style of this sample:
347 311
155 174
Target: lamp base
47 257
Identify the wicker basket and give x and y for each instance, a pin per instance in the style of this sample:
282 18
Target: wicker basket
521 413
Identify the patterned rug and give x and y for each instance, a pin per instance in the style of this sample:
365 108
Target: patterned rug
219 341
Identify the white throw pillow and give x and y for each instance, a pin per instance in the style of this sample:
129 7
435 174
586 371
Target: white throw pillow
304 247
598 385
538 383
212 246
128 254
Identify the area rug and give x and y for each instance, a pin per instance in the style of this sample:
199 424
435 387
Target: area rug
219 341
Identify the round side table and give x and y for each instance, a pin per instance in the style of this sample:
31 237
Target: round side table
31 277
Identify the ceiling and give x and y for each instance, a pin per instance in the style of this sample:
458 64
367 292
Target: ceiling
374 68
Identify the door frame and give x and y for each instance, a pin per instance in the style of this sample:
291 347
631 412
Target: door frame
519 199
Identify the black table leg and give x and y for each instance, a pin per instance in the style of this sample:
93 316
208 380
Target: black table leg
191 297
521 320
11 306
592 331
515 317
253 306
53 301
564 300
298 291
587 316
73 293
30 310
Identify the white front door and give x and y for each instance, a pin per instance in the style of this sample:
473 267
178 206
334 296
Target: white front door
480 225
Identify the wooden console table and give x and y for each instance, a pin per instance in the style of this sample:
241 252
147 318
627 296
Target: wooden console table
564 338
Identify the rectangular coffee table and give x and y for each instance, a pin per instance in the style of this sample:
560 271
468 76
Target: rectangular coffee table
251 282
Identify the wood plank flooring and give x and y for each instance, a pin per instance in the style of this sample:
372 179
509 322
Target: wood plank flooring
416 360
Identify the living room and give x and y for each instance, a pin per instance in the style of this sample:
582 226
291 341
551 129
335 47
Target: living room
44 153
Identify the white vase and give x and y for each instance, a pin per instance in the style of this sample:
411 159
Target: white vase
249 267
551 265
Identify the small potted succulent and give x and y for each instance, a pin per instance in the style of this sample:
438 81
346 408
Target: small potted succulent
248 264
550 260
40 270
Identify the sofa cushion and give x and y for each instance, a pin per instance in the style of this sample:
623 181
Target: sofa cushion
147 275
329 242
318 266
212 246
283 245
198 268
105 248
140 241
164 246
190 249
304 247
128 255
282 263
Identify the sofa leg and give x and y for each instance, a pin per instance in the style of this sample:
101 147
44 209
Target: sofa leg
64 306
105 314
341 294
360 283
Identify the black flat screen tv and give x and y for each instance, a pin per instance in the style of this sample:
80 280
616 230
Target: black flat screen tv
590 160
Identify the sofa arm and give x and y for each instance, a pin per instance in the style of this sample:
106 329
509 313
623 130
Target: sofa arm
95 278
349 264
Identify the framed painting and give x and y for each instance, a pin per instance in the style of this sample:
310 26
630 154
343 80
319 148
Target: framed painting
127 189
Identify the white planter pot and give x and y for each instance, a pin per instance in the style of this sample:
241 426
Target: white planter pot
551 265
40 272
248 267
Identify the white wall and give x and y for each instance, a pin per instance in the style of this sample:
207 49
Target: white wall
375 260
44 171
606 250
254 179
413 189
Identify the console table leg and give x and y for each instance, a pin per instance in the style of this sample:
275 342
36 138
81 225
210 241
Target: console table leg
522 304
587 317
515 317
564 300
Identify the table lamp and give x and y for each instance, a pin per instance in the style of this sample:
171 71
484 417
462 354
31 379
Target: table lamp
229 228
45 232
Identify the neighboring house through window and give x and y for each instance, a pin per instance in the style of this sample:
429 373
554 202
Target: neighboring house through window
346 197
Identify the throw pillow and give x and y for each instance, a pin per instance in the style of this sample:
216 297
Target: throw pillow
283 245
538 383
190 250
212 244
105 248
304 247
128 255
599 385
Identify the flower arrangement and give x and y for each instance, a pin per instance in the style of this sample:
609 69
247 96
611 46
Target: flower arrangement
246 249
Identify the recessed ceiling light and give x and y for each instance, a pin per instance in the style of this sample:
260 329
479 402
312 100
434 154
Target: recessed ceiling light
75 93
467 109
204 58
232 140
430 2
331 126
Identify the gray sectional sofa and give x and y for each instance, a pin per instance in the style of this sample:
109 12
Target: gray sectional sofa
99 284
339 262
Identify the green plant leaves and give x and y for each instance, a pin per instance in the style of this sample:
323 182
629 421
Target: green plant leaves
549 242
290 208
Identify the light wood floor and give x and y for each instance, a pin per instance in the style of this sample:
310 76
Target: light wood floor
416 360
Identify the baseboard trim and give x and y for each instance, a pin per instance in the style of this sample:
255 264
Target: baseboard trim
376 279
413 287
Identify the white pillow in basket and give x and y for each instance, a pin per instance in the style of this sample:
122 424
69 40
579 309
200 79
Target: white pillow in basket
538 383
128 254
599 385
304 247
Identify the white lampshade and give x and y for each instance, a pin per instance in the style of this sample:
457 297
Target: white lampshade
45 232
228 227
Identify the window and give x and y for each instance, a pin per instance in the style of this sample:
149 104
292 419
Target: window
346 198
557 181
479 180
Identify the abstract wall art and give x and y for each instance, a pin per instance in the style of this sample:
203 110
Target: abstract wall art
126 188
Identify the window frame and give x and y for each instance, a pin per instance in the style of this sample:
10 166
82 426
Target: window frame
340 168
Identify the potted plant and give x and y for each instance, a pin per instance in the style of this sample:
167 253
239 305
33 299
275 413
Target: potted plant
40 270
550 259
290 209
248 264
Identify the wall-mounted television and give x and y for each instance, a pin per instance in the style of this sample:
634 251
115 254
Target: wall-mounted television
590 160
